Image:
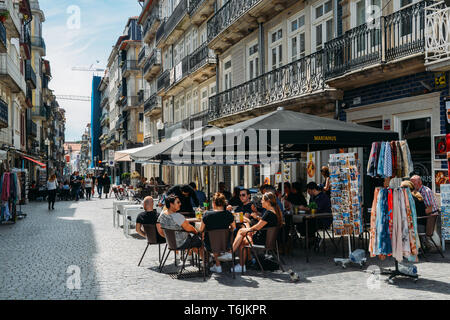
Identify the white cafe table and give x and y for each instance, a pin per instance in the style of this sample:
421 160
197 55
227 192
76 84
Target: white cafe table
116 204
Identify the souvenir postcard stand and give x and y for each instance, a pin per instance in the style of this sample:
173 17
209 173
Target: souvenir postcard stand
345 184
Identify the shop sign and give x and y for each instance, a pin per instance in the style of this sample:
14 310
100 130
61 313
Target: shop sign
278 178
356 101
440 81
387 124
111 154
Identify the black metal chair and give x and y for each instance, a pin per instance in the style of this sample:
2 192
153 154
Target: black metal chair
220 241
429 231
271 246
172 246
152 238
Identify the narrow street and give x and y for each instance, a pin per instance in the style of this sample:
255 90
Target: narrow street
37 254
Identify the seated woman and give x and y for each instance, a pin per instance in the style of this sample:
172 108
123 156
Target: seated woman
420 206
217 219
271 218
171 219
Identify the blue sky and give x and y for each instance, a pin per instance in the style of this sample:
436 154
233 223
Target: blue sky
101 23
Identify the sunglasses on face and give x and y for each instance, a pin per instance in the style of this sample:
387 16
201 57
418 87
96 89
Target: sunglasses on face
243 195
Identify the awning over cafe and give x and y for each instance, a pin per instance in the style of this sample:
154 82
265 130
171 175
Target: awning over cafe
124 155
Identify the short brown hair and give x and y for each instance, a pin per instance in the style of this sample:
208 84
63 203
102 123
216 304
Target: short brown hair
219 199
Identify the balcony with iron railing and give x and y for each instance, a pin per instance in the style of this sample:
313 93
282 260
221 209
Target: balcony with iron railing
39 43
31 128
30 75
152 23
153 65
131 102
200 10
300 83
128 67
3 114
10 73
153 105
391 46
160 31
12 21
176 24
39 112
163 81
142 55
238 18
437 39
3 42
196 67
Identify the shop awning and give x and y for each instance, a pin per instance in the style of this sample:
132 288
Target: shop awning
43 165
163 149
124 155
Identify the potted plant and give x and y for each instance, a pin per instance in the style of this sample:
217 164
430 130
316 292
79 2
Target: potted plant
3 16
135 178
126 177
313 207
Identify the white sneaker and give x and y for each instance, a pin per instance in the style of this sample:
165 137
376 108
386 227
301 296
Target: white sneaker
238 268
217 269
225 257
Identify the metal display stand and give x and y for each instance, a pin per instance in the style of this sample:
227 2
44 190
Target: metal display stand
396 273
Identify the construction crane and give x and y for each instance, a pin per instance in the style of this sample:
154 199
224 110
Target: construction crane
77 98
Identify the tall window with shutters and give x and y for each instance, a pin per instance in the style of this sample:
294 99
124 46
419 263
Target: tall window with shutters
322 24
296 43
276 48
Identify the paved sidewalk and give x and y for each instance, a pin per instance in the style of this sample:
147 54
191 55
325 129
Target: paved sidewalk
41 254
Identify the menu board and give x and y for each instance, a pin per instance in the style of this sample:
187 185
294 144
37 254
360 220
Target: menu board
445 211
345 194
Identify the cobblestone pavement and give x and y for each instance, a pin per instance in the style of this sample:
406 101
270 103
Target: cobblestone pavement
38 255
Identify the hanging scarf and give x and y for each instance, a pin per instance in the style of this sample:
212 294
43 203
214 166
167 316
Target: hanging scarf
394 159
380 170
371 166
406 247
397 248
399 160
410 207
373 222
6 186
387 170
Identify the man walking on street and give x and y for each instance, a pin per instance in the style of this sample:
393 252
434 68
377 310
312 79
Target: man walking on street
99 181
76 183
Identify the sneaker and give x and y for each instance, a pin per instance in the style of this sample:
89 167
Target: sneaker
216 269
238 268
225 257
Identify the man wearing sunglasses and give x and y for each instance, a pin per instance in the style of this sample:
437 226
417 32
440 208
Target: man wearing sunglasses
246 207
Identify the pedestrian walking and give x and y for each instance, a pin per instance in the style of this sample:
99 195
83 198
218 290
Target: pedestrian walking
99 182
52 185
106 181
88 186
76 185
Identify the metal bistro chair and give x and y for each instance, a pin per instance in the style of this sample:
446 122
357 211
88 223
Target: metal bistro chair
271 246
429 231
220 241
172 246
152 238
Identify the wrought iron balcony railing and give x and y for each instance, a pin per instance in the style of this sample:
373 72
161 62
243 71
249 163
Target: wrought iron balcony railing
3 114
39 111
39 43
153 102
201 117
155 16
142 54
301 77
163 80
388 38
2 34
153 60
129 65
31 128
194 5
30 75
160 31
176 16
225 16
200 56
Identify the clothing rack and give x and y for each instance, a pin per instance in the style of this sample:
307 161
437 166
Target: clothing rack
394 161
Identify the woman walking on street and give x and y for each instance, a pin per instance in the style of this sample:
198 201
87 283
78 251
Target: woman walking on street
88 186
52 185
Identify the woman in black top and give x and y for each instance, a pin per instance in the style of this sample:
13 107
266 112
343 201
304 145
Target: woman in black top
271 218
217 219
235 201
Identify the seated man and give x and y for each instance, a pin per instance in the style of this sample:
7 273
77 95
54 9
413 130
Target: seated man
172 220
323 206
149 216
246 207
217 219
